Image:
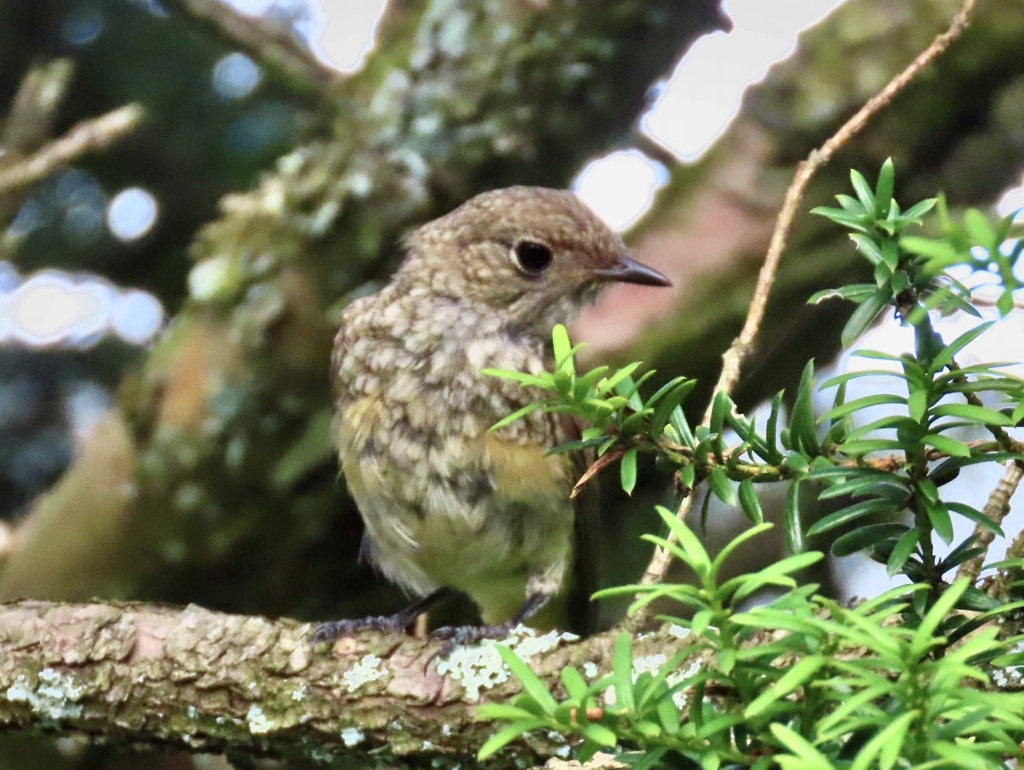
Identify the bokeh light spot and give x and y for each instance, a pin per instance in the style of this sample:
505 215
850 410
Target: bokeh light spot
348 37
57 309
76 186
1012 201
45 309
136 316
82 25
235 76
132 213
621 186
82 222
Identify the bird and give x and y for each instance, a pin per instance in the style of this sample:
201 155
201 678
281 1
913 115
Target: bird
449 505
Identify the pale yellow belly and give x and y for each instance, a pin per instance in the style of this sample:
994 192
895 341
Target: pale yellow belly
474 513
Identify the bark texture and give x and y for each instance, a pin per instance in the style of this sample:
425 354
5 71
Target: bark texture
153 677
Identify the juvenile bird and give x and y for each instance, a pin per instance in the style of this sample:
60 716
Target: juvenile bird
448 504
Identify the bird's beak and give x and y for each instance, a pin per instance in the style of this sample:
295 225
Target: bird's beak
626 270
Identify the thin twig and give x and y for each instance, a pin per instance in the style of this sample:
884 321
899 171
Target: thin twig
29 125
87 136
273 46
30 119
1018 304
730 460
732 361
995 510
734 357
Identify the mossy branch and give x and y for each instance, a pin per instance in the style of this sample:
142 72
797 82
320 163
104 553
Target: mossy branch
152 677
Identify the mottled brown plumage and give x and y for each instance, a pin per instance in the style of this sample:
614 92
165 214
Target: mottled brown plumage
448 504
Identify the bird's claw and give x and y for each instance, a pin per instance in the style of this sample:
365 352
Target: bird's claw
455 636
336 629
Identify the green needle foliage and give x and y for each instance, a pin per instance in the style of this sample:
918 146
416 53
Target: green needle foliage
802 682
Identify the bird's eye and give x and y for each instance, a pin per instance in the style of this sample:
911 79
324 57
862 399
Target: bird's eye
531 256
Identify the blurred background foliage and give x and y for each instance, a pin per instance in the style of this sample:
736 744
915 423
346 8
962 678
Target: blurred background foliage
197 467
197 144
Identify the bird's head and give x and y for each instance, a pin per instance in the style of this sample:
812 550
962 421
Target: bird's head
533 254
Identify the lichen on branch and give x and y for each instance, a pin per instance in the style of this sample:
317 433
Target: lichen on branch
152 676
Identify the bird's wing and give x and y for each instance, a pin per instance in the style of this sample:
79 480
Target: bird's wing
338 351
582 613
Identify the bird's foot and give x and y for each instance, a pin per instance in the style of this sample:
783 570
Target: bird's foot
455 636
396 623
334 630
458 635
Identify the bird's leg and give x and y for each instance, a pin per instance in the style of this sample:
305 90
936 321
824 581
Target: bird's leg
396 623
456 635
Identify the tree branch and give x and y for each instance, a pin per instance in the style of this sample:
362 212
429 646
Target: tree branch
733 359
87 136
995 510
30 119
148 676
153 676
29 123
274 47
